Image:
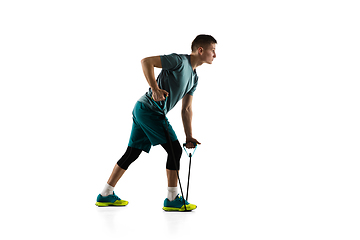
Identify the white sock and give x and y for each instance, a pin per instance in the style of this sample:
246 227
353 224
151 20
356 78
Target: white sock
172 193
108 190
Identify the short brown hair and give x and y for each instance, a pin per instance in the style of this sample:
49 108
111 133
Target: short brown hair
202 40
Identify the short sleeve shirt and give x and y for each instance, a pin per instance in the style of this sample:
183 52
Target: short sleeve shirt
176 77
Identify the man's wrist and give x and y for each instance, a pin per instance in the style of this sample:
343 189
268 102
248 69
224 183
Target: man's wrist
155 87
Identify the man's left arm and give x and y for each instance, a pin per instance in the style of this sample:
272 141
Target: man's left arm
186 114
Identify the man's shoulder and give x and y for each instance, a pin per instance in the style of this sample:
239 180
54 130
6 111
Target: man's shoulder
177 55
173 61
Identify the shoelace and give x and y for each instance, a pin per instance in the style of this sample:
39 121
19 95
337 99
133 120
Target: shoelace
116 197
180 198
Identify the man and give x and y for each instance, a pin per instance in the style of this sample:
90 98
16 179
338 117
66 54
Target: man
177 80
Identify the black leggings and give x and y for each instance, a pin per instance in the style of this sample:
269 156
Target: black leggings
132 154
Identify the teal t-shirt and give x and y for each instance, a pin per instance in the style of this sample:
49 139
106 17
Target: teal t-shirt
176 77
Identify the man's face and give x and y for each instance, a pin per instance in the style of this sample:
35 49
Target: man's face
208 53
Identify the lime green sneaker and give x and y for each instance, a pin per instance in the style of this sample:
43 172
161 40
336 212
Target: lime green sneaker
178 205
111 200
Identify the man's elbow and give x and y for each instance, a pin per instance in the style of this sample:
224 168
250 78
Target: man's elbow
144 61
152 61
186 110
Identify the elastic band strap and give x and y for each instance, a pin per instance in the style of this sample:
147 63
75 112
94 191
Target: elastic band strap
192 152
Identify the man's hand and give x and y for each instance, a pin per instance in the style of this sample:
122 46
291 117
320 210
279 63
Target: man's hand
190 141
159 94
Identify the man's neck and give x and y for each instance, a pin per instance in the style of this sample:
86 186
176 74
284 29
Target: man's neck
195 61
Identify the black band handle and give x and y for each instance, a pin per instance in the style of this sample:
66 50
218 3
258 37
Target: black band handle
184 144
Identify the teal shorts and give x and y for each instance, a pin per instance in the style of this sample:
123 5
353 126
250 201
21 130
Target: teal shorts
148 128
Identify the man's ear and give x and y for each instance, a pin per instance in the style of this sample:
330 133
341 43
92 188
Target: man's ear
200 50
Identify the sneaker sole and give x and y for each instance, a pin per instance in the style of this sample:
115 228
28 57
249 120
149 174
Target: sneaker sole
117 203
189 207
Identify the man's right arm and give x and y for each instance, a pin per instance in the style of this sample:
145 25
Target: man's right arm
148 65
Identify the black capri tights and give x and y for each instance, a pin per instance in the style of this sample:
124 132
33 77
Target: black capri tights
132 154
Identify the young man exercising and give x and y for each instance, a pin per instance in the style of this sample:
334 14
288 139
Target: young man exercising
177 80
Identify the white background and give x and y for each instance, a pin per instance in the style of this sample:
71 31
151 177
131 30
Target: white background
277 114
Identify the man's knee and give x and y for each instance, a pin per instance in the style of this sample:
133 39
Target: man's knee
129 157
173 162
